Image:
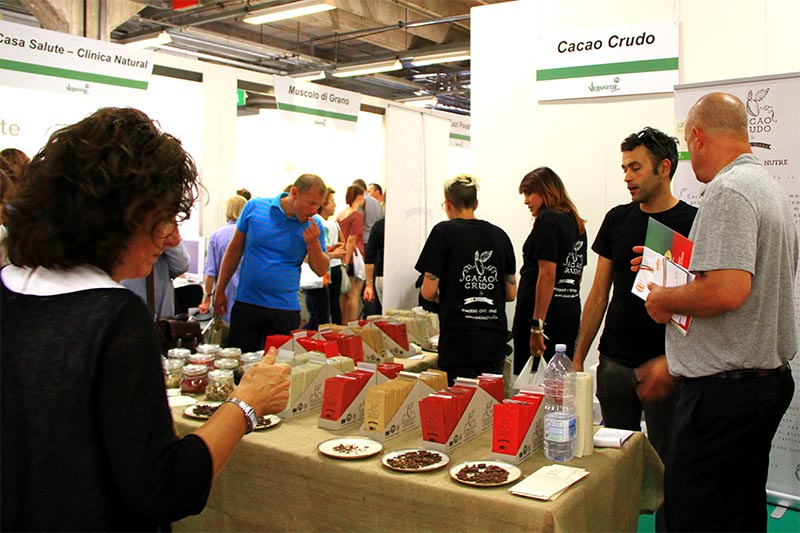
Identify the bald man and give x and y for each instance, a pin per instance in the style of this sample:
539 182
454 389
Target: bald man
735 382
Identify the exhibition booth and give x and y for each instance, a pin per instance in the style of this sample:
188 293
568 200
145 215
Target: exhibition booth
517 123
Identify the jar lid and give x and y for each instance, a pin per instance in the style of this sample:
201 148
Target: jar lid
220 375
194 370
251 357
226 364
179 353
201 358
173 364
208 348
230 352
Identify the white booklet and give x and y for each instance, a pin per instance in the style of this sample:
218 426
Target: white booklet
611 438
549 482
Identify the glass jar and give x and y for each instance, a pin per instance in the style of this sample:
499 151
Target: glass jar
194 379
226 364
206 359
220 385
208 349
246 360
179 353
172 372
230 353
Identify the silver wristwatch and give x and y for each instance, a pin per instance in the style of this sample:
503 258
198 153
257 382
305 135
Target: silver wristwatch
249 413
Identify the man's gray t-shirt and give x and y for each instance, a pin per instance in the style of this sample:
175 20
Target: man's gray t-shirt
744 223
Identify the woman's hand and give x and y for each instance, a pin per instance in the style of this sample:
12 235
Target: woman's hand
537 344
265 386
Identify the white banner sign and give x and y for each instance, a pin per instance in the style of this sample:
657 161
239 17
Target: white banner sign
33 58
459 128
592 62
309 102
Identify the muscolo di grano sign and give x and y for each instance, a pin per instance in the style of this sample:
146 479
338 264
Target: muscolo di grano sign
309 102
34 58
592 62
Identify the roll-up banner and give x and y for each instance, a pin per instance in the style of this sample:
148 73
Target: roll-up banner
34 58
316 104
616 61
773 119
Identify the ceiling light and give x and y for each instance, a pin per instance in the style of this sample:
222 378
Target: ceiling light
425 101
290 10
368 68
149 40
444 57
309 76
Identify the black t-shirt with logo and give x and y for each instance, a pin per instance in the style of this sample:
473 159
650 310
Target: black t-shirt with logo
554 238
630 336
471 258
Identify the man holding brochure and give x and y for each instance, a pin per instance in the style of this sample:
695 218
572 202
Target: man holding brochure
733 363
630 337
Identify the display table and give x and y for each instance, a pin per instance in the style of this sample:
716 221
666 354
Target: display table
428 360
276 480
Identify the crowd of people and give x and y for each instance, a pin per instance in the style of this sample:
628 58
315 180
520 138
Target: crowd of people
112 189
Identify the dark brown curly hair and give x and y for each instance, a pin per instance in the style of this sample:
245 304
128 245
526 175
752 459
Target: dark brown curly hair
92 186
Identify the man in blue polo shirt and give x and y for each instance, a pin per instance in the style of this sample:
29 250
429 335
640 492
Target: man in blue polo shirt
272 237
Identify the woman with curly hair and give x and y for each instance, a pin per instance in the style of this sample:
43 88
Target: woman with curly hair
553 257
87 436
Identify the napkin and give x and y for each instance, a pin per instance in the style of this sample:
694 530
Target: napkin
549 482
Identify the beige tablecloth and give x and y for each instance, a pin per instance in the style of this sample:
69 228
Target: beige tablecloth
278 481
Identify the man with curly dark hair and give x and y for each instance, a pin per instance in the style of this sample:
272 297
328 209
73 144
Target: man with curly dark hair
86 435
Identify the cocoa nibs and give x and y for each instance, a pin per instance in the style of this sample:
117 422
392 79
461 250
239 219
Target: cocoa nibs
205 410
483 473
414 460
348 448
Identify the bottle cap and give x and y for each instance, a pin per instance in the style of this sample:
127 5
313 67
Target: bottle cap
561 347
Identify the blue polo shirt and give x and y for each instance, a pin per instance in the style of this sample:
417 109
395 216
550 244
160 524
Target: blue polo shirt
273 251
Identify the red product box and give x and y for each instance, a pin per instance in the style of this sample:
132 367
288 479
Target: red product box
338 394
362 376
390 370
397 331
436 414
332 335
351 346
279 342
493 385
329 348
533 400
507 429
462 395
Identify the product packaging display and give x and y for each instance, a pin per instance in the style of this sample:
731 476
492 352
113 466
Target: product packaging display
392 408
344 396
475 418
308 380
518 428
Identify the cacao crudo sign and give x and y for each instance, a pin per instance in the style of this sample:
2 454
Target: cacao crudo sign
592 62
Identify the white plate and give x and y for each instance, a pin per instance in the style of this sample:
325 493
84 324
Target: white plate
443 460
350 447
267 422
514 473
189 411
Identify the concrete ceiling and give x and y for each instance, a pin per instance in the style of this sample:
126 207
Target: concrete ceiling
357 31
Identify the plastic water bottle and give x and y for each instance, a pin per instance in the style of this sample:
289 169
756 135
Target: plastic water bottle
559 407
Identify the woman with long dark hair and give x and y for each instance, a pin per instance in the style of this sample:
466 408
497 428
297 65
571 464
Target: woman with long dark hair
548 300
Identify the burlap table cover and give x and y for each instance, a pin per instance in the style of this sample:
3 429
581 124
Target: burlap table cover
278 481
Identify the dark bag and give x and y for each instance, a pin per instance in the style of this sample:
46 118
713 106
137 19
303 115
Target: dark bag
179 332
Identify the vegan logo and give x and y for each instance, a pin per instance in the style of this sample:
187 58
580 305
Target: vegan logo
761 116
610 87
